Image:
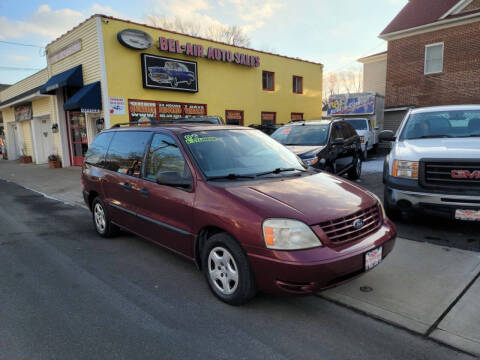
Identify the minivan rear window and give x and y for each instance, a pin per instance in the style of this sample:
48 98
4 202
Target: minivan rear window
126 151
98 149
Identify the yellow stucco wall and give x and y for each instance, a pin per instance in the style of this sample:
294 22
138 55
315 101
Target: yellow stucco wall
221 85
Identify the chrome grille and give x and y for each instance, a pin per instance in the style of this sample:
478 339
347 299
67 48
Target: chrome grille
342 229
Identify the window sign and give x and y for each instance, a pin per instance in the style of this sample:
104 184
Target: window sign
142 111
296 117
169 74
268 118
194 110
168 110
234 117
23 112
117 106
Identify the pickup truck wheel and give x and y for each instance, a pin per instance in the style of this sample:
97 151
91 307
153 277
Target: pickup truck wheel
365 153
227 270
356 171
392 212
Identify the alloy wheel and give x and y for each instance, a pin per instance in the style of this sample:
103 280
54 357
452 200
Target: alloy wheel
99 214
223 270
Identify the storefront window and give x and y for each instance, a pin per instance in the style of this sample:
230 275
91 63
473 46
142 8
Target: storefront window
296 117
268 118
78 136
268 80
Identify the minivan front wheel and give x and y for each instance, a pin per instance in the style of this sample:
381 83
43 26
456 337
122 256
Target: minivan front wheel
356 171
227 270
101 219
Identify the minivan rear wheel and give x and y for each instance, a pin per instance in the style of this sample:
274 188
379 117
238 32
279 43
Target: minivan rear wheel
101 219
227 270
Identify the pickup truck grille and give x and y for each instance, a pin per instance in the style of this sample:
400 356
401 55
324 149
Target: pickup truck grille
342 229
452 174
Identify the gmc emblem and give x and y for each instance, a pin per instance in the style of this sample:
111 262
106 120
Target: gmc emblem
465 174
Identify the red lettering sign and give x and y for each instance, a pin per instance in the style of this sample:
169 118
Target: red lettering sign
465 174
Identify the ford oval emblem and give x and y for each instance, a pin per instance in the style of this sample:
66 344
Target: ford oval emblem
358 224
135 39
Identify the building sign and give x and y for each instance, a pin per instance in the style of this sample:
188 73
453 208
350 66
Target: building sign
163 110
23 112
351 104
142 111
169 74
90 111
210 53
135 39
234 117
65 52
117 106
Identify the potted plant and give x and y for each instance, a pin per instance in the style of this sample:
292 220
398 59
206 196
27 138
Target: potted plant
54 161
25 159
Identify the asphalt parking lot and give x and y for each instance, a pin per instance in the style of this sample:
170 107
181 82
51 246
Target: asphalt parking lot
423 227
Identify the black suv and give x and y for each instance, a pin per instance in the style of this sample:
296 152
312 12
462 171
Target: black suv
331 145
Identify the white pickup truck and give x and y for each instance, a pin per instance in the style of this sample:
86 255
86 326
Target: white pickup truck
368 134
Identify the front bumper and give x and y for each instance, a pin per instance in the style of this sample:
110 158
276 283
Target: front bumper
408 195
279 276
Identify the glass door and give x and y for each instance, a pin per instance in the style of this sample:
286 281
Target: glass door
78 136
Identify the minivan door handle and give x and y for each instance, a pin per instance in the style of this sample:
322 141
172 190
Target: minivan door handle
127 185
145 192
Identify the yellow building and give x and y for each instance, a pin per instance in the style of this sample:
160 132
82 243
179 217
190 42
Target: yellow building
107 71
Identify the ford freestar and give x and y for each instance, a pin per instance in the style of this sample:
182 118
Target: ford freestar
239 204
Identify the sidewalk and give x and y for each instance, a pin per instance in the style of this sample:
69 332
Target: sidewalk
430 289
61 184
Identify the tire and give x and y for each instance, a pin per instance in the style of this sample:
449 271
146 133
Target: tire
356 171
392 212
365 153
227 270
174 82
101 220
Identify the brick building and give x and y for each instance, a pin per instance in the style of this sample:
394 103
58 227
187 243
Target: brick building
433 56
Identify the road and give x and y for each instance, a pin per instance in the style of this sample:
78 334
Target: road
67 293
424 227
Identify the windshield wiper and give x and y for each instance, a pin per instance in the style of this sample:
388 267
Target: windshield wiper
231 177
431 137
280 170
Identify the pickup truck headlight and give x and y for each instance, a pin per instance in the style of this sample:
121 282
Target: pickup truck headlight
288 234
362 139
310 161
405 169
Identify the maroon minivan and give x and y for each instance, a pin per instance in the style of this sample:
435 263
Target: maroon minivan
239 204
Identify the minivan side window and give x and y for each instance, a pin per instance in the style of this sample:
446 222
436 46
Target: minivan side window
347 130
98 149
164 155
126 152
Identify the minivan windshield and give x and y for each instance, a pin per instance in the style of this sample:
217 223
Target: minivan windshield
302 135
442 124
240 153
358 124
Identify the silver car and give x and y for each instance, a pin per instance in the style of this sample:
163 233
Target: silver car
434 164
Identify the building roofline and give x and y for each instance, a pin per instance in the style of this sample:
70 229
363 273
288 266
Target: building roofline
373 56
448 21
179 33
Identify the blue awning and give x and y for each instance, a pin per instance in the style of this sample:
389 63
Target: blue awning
72 77
88 98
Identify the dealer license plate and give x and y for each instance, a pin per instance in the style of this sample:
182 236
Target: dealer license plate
373 258
469 215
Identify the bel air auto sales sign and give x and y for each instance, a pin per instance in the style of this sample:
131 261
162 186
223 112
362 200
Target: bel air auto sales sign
211 53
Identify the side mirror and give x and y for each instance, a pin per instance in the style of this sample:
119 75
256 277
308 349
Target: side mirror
386 135
338 141
172 178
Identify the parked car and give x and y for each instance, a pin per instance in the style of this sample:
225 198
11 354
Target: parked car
331 145
368 134
173 73
434 164
243 207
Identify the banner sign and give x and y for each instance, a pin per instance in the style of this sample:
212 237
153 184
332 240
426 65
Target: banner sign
23 112
68 50
234 117
211 53
145 111
117 106
351 104
169 74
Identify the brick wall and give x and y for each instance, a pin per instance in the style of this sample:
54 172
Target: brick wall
459 83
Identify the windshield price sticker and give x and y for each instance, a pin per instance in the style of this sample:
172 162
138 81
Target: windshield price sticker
194 139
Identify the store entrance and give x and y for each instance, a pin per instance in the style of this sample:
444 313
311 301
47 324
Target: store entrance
77 129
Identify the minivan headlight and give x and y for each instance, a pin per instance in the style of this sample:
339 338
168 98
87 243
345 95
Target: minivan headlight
405 169
310 161
288 234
